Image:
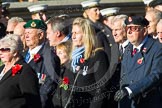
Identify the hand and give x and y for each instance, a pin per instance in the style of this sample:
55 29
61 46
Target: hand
120 94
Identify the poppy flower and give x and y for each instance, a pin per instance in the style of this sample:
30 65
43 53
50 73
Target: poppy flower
37 57
82 60
65 83
139 61
15 69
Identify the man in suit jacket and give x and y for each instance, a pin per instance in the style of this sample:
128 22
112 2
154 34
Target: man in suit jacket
41 58
140 83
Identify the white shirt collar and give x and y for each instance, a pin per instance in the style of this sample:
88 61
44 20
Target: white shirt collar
34 51
139 47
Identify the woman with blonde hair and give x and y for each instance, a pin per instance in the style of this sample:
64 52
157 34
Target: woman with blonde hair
89 64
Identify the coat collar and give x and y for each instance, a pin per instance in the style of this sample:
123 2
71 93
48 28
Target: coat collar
9 72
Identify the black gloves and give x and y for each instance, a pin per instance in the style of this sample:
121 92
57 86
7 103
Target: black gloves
120 94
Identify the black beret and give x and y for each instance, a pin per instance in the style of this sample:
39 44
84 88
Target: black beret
36 24
137 20
155 3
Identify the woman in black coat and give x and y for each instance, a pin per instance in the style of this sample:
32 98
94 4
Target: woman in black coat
18 82
85 78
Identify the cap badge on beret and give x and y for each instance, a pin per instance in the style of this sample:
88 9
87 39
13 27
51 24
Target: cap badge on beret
33 24
130 19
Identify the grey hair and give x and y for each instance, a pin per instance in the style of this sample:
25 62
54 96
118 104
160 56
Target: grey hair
121 18
15 20
58 24
155 13
13 42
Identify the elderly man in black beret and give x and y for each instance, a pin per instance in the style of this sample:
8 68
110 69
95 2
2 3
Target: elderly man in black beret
41 58
141 73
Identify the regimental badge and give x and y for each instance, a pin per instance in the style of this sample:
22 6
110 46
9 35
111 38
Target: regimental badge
77 68
33 24
144 50
130 19
85 69
42 78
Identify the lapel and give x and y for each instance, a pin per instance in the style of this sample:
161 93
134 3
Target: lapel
6 76
142 54
127 58
50 62
40 52
9 72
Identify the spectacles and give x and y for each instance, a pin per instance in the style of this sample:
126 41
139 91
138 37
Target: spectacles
9 32
5 49
133 28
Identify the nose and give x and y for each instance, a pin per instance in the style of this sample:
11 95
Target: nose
129 31
113 33
73 35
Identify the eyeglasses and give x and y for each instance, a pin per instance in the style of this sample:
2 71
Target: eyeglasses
5 49
133 28
9 32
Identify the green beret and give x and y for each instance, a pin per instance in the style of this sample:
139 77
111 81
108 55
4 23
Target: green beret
36 24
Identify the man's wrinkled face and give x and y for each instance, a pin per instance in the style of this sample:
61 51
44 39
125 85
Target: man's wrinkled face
118 32
135 34
152 23
32 37
159 32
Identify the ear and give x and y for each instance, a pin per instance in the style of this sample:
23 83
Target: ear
145 30
105 21
58 33
41 35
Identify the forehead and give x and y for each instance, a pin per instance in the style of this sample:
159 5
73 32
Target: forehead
133 25
159 26
30 30
94 8
117 23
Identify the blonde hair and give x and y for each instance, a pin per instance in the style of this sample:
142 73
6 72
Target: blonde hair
66 46
89 36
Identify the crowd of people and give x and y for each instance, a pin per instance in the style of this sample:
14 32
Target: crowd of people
104 59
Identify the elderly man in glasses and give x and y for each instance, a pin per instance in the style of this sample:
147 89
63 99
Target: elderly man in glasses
141 73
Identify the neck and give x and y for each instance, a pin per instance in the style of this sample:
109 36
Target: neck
12 62
8 65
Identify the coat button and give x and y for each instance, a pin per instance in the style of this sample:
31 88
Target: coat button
108 35
103 30
131 81
110 45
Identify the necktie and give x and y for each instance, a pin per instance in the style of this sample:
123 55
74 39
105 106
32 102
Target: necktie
27 57
121 50
134 51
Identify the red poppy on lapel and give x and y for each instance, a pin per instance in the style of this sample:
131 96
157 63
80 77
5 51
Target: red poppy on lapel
65 83
82 60
15 69
139 61
37 57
